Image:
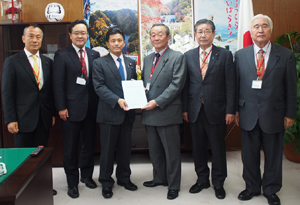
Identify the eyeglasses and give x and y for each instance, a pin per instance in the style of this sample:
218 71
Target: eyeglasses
205 32
79 33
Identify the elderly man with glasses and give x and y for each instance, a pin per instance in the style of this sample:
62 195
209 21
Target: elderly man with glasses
209 98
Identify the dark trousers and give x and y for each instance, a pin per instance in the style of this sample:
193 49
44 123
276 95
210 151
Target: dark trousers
85 131
39 136
115 139
202 132
164 151
252 141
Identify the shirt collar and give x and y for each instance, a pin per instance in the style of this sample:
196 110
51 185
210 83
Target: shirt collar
207 50
163 50
116 57
77 49
28 54
265 49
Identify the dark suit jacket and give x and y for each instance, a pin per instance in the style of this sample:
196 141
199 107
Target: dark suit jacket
67 93
107 84
23 102
276 99
218 88
166 84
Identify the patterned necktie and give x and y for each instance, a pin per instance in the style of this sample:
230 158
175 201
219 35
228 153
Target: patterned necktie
262 63
121 69
157 55
83 64
36 71
204 65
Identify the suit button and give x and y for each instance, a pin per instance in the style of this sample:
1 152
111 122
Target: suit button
259 103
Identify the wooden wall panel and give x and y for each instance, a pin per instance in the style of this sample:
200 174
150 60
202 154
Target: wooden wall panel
34 11
284 14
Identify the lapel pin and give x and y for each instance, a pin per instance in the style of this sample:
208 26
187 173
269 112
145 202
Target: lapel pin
130 65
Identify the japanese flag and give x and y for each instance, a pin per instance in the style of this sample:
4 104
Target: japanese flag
245 16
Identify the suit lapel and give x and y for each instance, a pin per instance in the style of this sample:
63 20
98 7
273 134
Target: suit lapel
195 57
90 56
73 55
128 68
251 61
160 65
273 58
24 62
148 66
112 66
213 57
45 68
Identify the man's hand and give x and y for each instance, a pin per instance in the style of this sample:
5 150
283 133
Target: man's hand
150 105
288 122
229 118
63 114
123 104
185 116
237 119
13 127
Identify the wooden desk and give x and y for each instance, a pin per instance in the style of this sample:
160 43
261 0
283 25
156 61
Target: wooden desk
31 183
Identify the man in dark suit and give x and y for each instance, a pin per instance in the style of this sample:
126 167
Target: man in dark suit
27 94
164 74
209 99
76 102
115 119
266 76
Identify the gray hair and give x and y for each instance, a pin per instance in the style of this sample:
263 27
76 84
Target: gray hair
161 24
263 16
205 21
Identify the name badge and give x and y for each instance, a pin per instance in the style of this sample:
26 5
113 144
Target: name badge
80 81
148 86
256 84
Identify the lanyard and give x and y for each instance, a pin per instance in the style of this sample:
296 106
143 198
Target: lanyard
154 66
258 73
203 61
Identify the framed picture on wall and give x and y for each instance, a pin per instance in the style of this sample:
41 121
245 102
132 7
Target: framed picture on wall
224 14
104 14
176 14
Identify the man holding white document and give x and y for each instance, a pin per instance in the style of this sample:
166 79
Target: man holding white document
114 117
164 74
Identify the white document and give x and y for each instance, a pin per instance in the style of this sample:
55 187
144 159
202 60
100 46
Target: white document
134 94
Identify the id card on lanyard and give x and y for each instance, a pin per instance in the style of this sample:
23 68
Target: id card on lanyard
257 84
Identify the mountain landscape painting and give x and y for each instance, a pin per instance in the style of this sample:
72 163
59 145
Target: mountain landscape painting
105 14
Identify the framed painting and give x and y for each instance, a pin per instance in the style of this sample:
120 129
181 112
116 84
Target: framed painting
176 14
104 14
224 14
